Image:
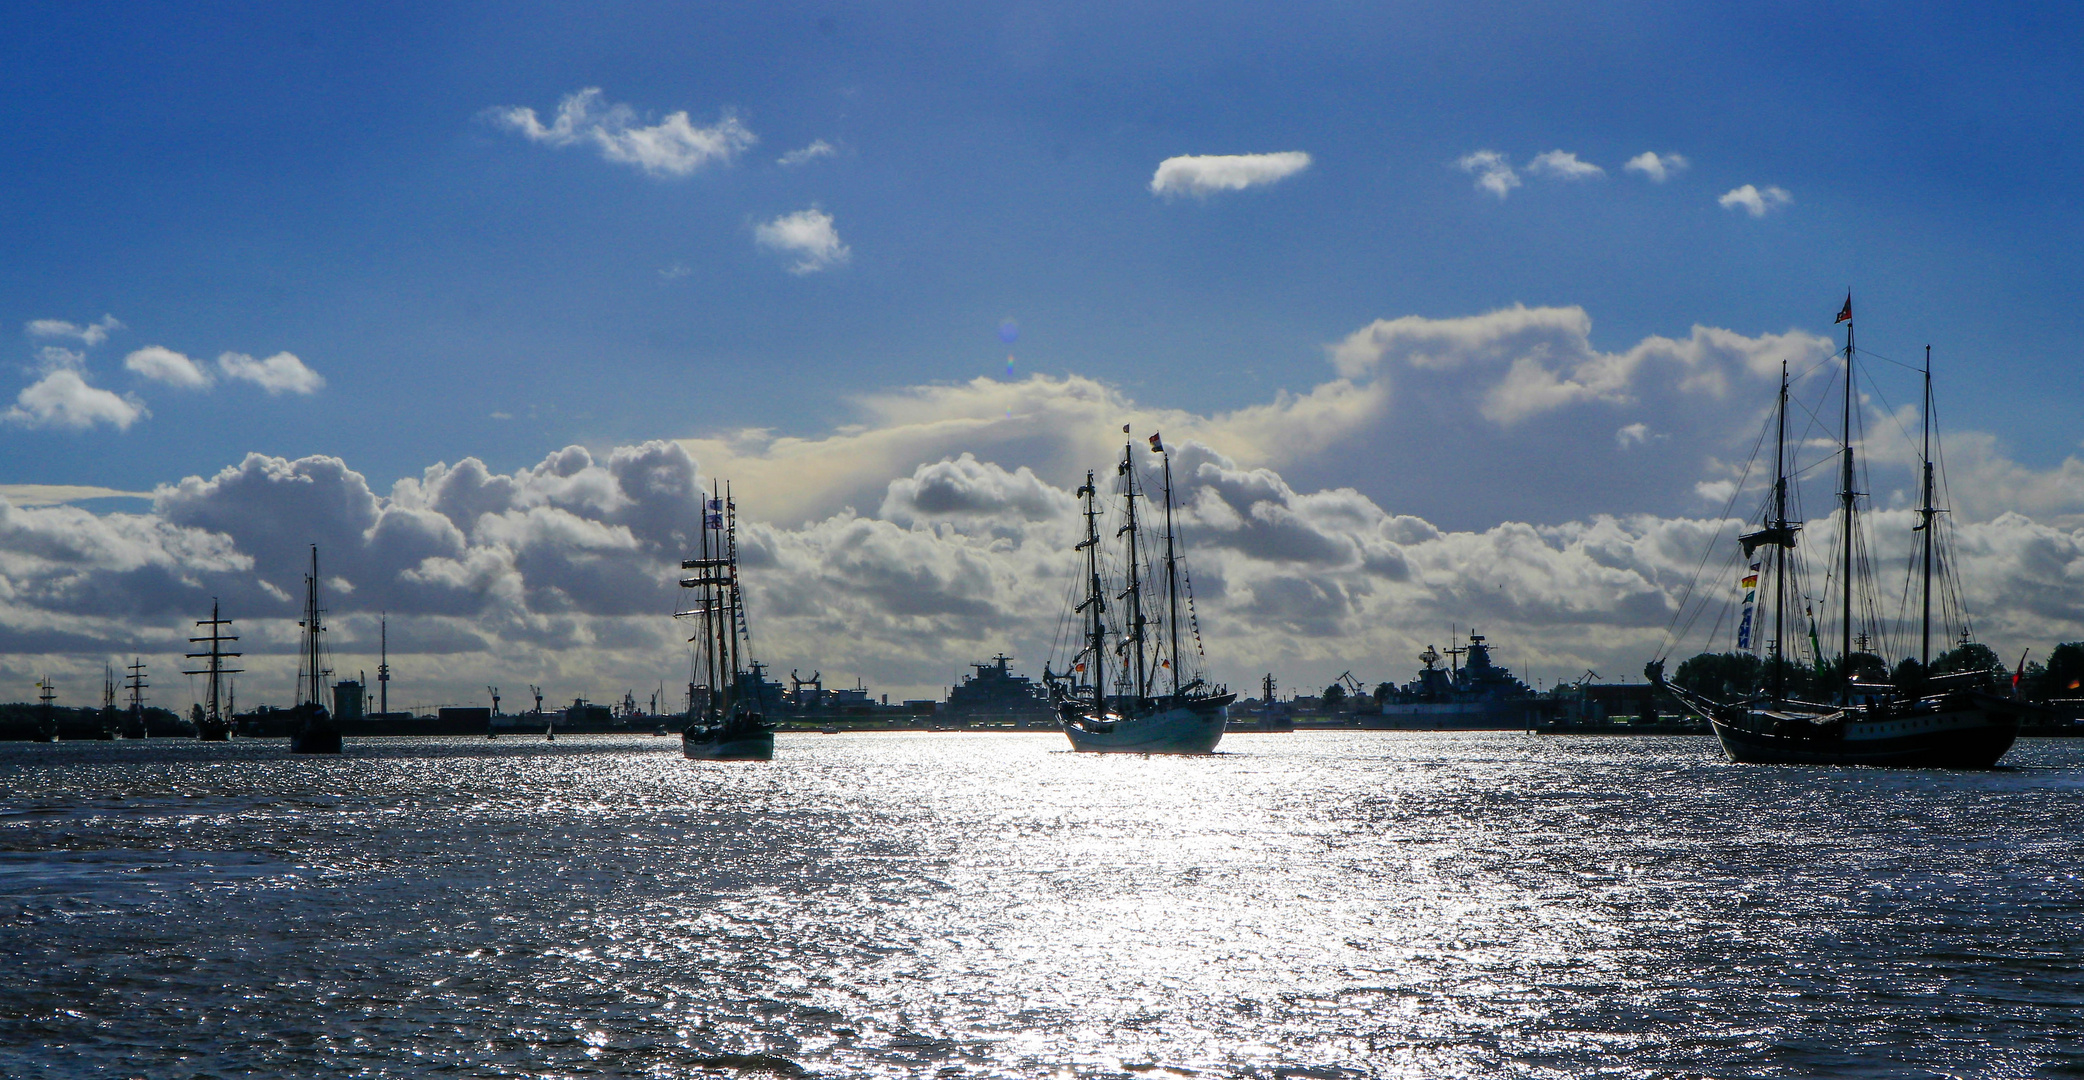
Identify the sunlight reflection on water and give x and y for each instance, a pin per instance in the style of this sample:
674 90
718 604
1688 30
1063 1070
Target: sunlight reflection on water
1316 904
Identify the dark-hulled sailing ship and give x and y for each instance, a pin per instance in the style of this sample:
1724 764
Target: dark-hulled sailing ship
726 714
316 731
1151 706
213 718
1957 720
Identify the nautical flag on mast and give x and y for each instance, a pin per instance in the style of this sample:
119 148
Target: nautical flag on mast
1750 587
1845 313
1156 446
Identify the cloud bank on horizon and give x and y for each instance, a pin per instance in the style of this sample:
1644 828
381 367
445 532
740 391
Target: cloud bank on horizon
938 526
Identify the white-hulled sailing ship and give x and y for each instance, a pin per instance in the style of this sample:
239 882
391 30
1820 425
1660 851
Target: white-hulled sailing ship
317 732
726 716
1152 705
1945 721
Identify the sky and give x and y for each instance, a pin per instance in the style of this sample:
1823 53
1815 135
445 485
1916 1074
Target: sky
1461 313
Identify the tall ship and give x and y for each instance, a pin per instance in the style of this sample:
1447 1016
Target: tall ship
213 717
1146 703
1855 712
726 708
996 695
316 730
1474 694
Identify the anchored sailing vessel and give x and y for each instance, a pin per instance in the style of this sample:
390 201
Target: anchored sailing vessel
214 723
1944 721
726 711
317 733
1150 709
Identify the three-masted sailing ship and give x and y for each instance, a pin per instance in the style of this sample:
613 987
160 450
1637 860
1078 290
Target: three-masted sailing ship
1957 720
213 723
1151 705
726 716
317 732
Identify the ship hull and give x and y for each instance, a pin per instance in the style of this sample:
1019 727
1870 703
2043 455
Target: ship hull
1960 731
748 746
1192 729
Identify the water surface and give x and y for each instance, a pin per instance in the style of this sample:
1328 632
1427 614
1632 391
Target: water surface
1318 904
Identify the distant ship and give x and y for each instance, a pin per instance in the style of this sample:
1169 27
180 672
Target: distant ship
213 715
316 732
1151 706
1477 695
1945 721
996 695
726 719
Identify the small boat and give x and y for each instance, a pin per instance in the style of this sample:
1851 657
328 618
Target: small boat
726 718
316 731
1913 719
1152 707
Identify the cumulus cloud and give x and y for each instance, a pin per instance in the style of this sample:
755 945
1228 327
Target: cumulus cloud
1563 165
281 373
1493 172
92 334
162 364
808 236
1754 200
934 529
805 155
1206 174
563 573
672 147
1658 167
64 399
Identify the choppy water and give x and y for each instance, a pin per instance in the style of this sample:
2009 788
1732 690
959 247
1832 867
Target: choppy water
1316 904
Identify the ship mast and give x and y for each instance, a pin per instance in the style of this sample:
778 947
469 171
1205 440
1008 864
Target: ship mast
383 663
1846 499
1780 553
311 661
1925 516
714 582
1138 683
1171 570
214 670
1095 601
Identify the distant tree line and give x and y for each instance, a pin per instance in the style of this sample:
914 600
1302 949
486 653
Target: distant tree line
1734 675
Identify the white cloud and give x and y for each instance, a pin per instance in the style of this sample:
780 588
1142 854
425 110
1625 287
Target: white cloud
63 399
1658 167
817 149
806 234
278 374
162 364
56 494
1207 174
1754 201
1493 173
1564 166
1634 434
92 334
672 147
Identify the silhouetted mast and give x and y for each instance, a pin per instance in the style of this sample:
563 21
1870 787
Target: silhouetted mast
1846 498
1138 683
1926 513
1171 568
213 669
1095 600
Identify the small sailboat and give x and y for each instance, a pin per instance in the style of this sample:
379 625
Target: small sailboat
1152 706
726 716
1958 720
213 723
317 732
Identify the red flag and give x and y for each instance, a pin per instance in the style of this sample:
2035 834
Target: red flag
1845 313
1156 448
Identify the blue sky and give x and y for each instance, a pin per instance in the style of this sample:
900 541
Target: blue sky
342 184
323 181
